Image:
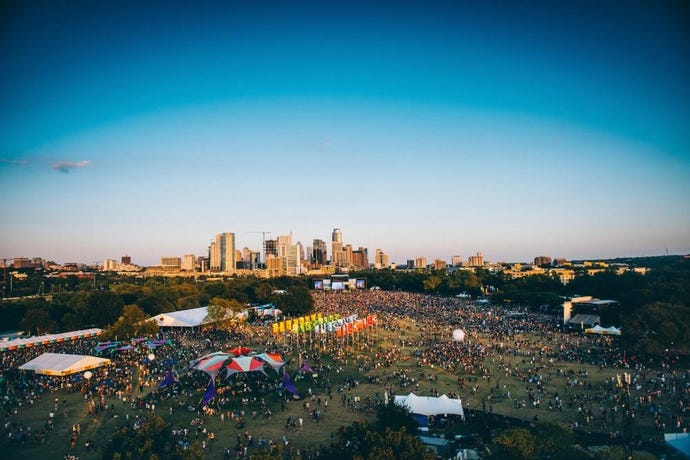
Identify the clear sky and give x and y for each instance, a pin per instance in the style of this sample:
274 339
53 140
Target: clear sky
421 128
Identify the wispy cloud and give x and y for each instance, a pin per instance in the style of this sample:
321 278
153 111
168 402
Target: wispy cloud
66 166
7 161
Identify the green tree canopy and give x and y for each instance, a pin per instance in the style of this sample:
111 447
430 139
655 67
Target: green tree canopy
132 323
362 441
151 440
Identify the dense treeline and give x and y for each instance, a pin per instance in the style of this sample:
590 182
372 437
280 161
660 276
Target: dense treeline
102 305
653 308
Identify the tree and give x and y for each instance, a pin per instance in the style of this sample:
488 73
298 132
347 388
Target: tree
132 323
151 440
224 313
556 440
103 308
657 327
515 443
38 321
362 441
395 417
297 300
431 283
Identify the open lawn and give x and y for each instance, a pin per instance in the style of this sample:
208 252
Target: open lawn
495 389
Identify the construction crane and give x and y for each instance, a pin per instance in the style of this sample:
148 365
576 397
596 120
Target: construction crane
263 245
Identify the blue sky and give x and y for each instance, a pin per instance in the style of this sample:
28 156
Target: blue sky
424 129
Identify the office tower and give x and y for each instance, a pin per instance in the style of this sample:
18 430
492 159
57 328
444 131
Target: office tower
476 261
319 252
110 265
542 260
283 242
559 261
348 255
360 258
337 236
126 260
202 263
338 256
171 261
222 253
380 259
420 262
439 264
291 260
271 248
188 262
275 266
300 248
456 261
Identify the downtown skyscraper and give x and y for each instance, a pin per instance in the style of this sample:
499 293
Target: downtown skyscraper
222 253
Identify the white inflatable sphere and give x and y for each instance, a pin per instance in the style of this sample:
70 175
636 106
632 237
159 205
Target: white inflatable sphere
459 335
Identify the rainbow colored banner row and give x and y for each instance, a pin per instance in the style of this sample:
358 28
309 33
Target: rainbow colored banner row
320 324
356 326
301 324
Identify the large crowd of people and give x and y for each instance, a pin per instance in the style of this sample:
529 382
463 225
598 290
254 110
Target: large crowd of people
511 360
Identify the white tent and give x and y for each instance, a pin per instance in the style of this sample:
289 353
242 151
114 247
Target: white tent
595 330
193 317
612 330
63 364
429 405
28 342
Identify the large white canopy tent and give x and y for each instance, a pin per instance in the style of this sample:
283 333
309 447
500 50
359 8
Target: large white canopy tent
430 405
60 364
28 342
193 317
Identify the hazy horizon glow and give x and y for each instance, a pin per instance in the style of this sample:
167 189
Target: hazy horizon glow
432 131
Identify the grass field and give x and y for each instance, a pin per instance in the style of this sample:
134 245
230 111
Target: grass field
491 394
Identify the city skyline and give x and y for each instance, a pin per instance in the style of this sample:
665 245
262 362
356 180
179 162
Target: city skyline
423 130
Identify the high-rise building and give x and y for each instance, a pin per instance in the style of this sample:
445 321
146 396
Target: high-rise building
338 257
319 252
271 248
456 261
542 260
126 260
300 250
439 264
360 258
110 265
337 236
476 261
222 253
291 260
202 263
559 261
380 259
348 255
274 266
283 242
171 262
420 262
188 263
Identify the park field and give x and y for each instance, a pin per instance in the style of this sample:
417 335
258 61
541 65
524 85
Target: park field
356 371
